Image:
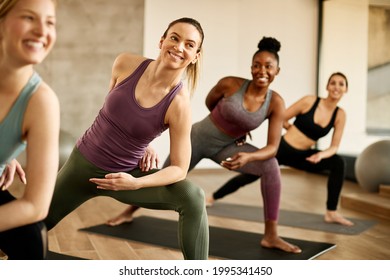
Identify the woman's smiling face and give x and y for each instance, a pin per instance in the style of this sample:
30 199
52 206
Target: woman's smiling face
28 31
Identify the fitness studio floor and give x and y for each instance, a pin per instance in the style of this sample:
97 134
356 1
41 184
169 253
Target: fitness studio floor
301 192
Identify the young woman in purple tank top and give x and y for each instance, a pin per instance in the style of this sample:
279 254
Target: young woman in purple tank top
211 138
296 150
151 93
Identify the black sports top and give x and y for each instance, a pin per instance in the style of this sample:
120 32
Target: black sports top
305 123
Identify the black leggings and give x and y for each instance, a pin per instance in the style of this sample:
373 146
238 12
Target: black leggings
27 242
289 156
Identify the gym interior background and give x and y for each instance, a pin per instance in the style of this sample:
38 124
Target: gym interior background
317 37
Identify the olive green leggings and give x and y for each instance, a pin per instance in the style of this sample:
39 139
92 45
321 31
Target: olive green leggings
73 188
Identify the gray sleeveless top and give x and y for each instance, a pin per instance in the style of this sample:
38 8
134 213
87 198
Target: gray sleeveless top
233 118
11 143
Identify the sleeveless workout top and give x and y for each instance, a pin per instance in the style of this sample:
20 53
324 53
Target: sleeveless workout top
233 118
11 143
122 130
305 123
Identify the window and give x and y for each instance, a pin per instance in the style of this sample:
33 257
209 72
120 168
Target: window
378 79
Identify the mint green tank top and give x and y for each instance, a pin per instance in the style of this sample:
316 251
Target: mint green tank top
11 142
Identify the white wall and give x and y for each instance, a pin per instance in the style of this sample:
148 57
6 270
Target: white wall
345 49
232 30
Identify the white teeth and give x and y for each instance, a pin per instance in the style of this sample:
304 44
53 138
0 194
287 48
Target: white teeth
175 56
35 45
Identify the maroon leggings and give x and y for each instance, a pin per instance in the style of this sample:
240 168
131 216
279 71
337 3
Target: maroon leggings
335 167
208 142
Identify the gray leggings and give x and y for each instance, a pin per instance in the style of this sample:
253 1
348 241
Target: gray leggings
73 188
209 142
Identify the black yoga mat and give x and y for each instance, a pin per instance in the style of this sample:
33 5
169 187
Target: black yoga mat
288 218
224 243
58 256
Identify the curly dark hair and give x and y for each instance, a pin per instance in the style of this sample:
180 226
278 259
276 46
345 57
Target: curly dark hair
269 44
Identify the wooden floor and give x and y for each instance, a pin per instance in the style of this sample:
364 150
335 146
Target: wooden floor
301 192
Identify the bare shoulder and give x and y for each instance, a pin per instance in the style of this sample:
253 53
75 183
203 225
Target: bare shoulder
304 103
127 61
44 96
276 96
308 99
43 108
277 99
341 113
230 84
277 103
231 80
180 107
182 98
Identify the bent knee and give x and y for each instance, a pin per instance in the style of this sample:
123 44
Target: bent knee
190 194
338 162
271 165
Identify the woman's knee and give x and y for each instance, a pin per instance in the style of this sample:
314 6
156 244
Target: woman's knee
270 166
337 163
190 194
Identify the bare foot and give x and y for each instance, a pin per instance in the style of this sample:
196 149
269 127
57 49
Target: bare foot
124 217
279 243
209 201
334 217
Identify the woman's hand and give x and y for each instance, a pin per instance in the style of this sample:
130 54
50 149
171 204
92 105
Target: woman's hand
116 182
150 160
315 158
8 175
237 161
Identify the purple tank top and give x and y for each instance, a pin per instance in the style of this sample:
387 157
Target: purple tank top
122 130
234 119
